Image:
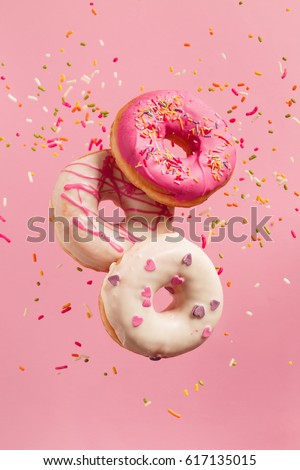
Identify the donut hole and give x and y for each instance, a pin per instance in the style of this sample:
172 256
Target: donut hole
109 211
162 299
177 146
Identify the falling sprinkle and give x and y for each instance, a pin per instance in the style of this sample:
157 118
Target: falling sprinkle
77 344
61 367
284 74
250 113
293 234
232 363
185 391
101 42
249 313
286 280
40 317
22 368
257 285
114 369
146 402
30 174
173 413
12 98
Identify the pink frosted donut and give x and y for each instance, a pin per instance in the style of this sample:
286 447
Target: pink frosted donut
126 299
142 137
82 231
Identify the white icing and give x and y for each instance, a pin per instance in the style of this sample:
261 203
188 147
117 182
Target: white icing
175 330
78 191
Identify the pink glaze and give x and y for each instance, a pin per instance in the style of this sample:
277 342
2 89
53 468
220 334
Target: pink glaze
153 119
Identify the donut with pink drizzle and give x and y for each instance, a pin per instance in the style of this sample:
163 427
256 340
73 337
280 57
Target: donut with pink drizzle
82 231
126 299
143 137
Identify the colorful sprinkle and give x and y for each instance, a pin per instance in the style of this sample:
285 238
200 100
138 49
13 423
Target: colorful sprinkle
173 413
146 303
137 321
254 110
67 309
187 259
150 265
114 280
198 311
146 292
177 280
206 332
214 304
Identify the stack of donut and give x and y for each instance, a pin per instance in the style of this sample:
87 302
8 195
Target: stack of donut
142 176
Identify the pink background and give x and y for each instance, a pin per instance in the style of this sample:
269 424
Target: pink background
254 405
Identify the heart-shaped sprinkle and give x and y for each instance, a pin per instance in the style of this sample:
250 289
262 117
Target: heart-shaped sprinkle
150 265
214 304
147 303
177 280
198 311
206 332
187 259
170 289
114 280
146 292
137 321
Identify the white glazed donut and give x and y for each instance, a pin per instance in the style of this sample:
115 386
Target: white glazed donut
82 233
126 299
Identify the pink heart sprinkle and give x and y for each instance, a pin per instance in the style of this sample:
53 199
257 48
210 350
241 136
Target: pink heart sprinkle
146 292
114 280
177 280
147 303
187 259
137 321
150 265
206 332
214 304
